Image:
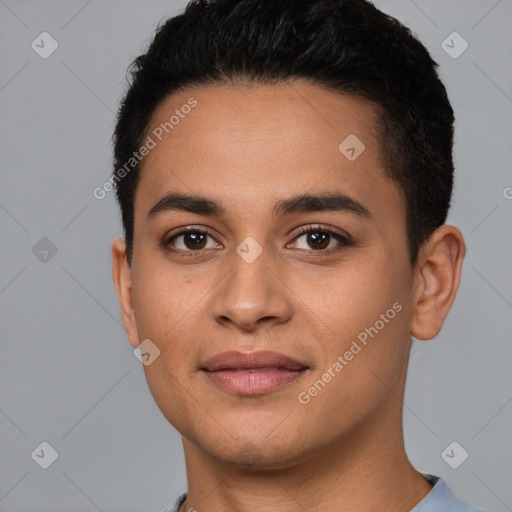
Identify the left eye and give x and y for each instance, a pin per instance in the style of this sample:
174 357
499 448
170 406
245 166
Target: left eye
321 239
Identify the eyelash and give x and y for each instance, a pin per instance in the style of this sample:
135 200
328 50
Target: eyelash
344 240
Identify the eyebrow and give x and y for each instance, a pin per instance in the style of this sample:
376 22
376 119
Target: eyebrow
302 203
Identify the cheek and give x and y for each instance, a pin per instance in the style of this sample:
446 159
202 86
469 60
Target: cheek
161 298
356 297
367 311
164 314
169 310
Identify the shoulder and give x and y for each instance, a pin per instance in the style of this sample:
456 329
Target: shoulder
175 505
442 499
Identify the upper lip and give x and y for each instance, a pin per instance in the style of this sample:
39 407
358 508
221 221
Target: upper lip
235 360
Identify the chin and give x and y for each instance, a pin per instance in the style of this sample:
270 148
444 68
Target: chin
253 454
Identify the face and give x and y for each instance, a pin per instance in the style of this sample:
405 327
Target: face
264 267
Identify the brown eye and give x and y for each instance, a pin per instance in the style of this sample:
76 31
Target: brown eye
190 240
321 239
318 240
194 240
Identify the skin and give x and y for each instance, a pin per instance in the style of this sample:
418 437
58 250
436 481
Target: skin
249 147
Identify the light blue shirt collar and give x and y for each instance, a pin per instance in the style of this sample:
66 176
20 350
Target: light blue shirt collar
439 499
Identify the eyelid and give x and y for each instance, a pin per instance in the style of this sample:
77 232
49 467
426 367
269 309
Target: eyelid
189 229
327 229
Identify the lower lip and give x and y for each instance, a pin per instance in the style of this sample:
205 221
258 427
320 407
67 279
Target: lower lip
244 382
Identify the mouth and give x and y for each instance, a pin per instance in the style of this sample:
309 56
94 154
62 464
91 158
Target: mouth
252 373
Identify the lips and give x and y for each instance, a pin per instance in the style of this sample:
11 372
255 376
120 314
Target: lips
246 361
252 373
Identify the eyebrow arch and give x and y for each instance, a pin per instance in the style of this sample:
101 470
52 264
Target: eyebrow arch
327 201
302 203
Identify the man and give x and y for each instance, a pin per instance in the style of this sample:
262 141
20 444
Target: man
284 172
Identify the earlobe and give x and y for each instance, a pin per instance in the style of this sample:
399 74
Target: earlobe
438 273
121 275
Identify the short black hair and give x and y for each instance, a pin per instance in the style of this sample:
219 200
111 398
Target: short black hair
344 45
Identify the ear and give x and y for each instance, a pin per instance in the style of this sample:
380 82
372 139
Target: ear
437 278
122 277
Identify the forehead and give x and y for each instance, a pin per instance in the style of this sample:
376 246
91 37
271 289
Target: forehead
245 144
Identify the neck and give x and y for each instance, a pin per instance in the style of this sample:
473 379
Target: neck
367 470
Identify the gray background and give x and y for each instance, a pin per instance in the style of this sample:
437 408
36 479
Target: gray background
68 375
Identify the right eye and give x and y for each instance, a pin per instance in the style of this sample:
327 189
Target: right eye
189 240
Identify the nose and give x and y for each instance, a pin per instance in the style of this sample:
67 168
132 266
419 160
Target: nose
253 295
